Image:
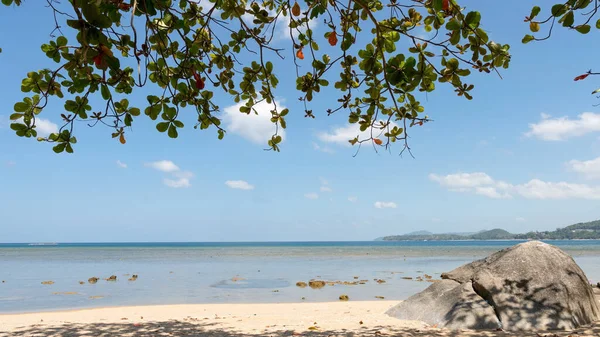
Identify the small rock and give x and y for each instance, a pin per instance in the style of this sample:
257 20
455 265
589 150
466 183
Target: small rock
303 298
93 280
48 282
344 297
597 284
81 282
301 284
429 277
361 323
316 284
356 277
407 278
112 278
95 297
3 281
275 291
380 297
237 278
133 277
380 281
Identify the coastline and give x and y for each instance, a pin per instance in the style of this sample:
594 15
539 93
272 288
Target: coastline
351 318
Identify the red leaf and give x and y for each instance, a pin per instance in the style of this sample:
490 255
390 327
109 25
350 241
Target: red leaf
98 60
445 5
199 81
300 54
581 77
332 39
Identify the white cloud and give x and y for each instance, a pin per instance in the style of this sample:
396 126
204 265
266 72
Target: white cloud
177 183
164 166
589 168
352 199
482 184
311 196
342 135
537 189
325 189
385 204
520 219
43 127
323 149
491 192
282 31
180 179
255 128
462 180
121 164
239 184
561 128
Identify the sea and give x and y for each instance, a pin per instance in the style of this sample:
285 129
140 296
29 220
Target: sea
240 272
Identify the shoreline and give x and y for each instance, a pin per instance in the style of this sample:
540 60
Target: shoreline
108 307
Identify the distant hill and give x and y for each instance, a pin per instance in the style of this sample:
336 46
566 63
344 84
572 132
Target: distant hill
494 234
587 230
420 233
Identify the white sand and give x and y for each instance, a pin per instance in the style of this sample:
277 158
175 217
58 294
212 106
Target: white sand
236 320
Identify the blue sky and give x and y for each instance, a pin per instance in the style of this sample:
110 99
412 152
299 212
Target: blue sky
523 155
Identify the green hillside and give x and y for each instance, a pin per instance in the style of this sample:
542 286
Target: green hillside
580 231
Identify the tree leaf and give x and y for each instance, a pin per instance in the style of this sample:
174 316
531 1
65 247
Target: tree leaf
583 29
162 126
172 131
527 38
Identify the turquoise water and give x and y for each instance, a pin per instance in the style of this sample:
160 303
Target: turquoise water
176 273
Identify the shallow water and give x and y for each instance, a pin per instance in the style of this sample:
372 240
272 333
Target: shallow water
171 273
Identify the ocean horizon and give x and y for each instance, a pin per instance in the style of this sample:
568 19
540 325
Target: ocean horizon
236 272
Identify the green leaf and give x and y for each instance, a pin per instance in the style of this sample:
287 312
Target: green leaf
453 25
21 107
527 38
558 10
18 126
534 12
534 26
178 124
61 41
172 131
569 19
473 19
437 5
104 91
162 127
59 148
598 24
16 116
583 29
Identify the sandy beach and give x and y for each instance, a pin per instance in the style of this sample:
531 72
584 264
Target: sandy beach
352 318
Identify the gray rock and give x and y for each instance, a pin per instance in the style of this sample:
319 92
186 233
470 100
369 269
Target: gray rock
530 286
448 304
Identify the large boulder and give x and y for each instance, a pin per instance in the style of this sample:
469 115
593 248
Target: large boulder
530 286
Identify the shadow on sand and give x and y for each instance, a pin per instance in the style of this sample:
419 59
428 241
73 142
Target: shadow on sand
193 329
